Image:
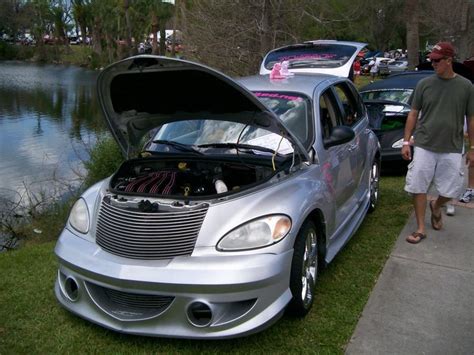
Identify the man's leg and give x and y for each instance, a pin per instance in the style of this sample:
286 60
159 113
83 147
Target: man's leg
438 203
419 202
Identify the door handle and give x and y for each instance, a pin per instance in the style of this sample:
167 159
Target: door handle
352 147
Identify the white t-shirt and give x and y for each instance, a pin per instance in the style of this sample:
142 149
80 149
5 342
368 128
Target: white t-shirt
373 66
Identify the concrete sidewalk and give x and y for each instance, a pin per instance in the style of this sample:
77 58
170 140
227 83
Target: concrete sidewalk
423 302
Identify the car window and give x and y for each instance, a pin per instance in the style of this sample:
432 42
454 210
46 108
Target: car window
292 109
352 111
328 113
398 95
311 56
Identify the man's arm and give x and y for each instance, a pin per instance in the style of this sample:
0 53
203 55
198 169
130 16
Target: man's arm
409 127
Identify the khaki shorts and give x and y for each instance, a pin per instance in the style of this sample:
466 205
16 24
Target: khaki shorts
444 170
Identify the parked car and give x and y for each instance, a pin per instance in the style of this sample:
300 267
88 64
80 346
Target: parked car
388 103
383 66
365 67
392 66
397 66
234 194
321 56
74 40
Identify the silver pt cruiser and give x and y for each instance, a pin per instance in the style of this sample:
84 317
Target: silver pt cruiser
233 196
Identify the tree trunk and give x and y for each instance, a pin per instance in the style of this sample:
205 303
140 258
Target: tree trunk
266 25
162 37
175 21
154 30
466 40
128 39
413 46
97 36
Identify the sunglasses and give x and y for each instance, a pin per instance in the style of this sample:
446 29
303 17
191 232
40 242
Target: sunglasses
438 60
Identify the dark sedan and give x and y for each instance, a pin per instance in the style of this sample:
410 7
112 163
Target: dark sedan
388 104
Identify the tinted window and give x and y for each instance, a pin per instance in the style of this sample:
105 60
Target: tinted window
311 56
351 109
402 95
328 113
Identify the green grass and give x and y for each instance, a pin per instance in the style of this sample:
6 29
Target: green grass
31 320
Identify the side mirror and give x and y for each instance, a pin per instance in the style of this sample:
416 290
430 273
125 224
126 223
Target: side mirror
339 135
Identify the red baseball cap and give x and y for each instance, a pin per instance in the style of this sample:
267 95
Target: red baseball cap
442 50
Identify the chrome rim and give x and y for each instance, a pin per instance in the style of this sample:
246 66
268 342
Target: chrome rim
310 267
374 184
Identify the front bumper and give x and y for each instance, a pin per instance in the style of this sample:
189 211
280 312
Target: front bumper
214 296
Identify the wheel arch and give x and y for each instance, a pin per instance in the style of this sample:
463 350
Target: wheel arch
317 217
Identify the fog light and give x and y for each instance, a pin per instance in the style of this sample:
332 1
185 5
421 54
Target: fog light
199 314
71 288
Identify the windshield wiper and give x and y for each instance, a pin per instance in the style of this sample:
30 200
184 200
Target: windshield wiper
238 146
179 146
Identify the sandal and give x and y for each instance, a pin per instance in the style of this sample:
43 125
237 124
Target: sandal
415 237
436 221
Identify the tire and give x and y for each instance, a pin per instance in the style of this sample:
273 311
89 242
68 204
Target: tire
374 179
304 270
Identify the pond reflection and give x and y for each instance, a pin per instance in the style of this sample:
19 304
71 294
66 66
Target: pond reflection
49 117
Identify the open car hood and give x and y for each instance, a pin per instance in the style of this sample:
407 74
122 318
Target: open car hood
141 93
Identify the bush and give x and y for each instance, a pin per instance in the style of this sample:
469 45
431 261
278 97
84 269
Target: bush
48 54
8 51
105 158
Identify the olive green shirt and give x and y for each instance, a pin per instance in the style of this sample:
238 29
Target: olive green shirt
443 105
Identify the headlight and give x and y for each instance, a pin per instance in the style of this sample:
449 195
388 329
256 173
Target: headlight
398 144
256 234
79 216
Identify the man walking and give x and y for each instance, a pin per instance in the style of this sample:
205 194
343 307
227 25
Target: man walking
439 106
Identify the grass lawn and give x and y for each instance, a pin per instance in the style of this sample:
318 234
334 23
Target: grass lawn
31 320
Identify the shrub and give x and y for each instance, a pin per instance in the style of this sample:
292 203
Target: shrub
8 51
105 158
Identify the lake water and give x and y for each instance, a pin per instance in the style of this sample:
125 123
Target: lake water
49 116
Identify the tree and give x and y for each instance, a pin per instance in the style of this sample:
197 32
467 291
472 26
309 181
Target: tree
82 14
454 24
59 14
234 36
412 15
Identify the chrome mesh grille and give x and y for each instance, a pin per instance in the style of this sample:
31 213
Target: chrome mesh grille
148 235
135 300
126 305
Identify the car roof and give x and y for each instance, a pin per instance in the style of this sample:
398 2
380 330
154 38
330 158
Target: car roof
302 83
405 80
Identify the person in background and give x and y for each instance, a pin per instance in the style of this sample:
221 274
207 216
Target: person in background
356 68
439 107
468 195
374 69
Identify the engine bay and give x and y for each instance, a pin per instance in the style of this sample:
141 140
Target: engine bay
186 178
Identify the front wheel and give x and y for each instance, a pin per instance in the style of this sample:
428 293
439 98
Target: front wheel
304 270
374 179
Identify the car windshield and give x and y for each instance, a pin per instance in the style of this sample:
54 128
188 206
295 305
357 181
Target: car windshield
401 95
206 133
311 56
214 134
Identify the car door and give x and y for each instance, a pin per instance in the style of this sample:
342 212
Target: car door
353 115
338 165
